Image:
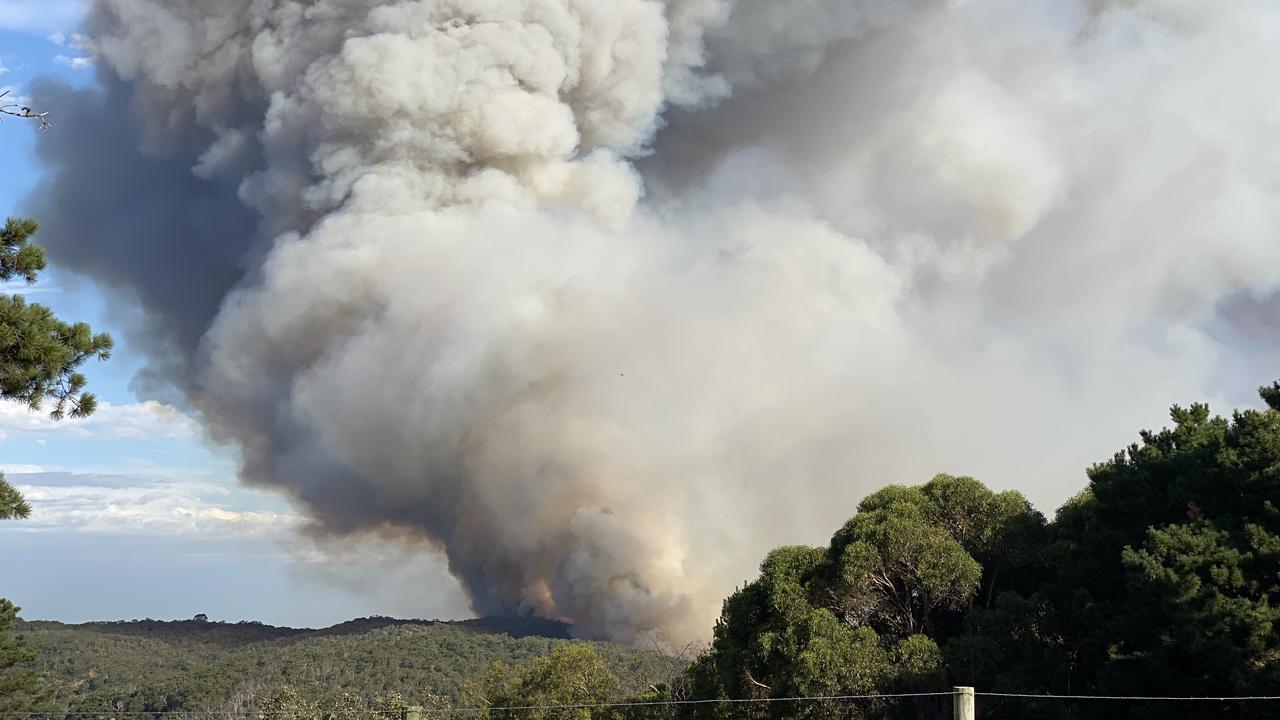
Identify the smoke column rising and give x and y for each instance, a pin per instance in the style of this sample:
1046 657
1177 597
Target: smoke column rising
601 299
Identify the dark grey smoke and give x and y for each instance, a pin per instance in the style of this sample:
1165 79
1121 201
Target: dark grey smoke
129 212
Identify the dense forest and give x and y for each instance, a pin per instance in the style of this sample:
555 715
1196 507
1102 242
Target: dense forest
161 667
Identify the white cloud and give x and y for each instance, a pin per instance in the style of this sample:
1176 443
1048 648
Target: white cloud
82 45
10 469
41 15
75 63
12 94
135 421
139 505
75 41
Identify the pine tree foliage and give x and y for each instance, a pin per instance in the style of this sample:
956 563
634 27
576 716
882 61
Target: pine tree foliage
20 688
12 505
40 355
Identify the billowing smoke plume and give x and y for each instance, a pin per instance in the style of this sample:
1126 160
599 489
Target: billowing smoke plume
603 298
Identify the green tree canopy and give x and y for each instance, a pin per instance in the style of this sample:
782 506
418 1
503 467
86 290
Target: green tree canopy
12 505
866 613
1161 578
286 703
40 355
20 688
1170 562
572 675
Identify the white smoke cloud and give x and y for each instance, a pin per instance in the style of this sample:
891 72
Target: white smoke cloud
604 298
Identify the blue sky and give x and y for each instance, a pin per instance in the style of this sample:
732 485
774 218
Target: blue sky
134 514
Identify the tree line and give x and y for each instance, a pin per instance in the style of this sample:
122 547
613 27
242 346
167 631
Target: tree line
1160 578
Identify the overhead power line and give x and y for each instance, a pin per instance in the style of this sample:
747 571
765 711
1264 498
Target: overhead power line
1144 698
646 703
501 708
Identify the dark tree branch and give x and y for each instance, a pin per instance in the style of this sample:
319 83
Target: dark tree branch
22 111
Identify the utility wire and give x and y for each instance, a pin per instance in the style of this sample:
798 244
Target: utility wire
500 708
646 703
1142 698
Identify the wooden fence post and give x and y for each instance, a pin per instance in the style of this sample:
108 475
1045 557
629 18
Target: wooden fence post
411 712
964 703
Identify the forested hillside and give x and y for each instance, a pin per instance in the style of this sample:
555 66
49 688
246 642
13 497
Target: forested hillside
191 665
